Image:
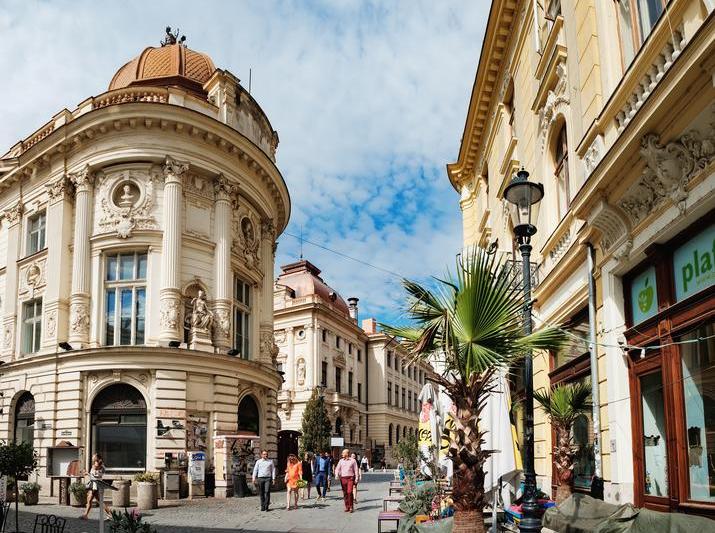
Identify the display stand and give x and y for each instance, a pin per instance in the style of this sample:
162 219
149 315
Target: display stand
101 487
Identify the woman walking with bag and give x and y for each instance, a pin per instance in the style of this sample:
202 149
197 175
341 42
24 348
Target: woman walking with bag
307 468
294 473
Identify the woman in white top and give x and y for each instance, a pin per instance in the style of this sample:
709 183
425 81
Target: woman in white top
96 473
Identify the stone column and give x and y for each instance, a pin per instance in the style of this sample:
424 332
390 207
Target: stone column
59 234
13 217
291 362
268 239
79 300
171 326
224 191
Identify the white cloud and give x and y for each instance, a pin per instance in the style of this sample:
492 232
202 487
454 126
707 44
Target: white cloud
369 100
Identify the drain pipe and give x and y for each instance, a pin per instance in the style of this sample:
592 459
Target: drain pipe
595 396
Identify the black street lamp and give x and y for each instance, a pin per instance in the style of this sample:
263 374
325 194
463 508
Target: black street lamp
524 197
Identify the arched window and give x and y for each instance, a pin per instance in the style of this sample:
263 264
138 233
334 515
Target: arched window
119 427
404 431
249 416
397 435
25 419
561 171
389 435
339 426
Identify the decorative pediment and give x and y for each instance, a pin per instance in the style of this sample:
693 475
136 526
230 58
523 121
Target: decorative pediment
556 99
668 171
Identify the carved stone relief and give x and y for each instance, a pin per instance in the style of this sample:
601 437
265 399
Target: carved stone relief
79 318
669 169
247 238
555 98
127 200
51 324
32 276
300 374
222 322
268 348
170 314
279 336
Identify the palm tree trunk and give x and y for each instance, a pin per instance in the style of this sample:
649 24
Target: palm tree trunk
468 522
564 463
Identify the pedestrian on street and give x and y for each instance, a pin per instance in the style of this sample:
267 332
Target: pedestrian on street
307 473
294 472
322 470
358 478
347 472
264 475
96 473
364 464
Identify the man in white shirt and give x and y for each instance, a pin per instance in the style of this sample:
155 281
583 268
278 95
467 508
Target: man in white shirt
264 475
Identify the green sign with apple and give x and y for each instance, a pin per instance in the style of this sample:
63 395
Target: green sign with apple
644 296
694 264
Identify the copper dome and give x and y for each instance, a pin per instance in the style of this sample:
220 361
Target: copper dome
167 65
304 278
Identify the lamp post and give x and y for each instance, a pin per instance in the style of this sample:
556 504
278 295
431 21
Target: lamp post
524 197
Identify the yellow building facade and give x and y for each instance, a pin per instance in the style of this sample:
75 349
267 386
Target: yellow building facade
610 105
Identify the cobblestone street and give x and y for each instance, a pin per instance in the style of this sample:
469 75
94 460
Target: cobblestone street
241 514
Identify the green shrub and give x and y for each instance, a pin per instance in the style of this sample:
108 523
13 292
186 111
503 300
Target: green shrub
129 522
79 489
146 477
31 486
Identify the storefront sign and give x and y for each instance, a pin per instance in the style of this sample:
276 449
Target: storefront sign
644 296
694 264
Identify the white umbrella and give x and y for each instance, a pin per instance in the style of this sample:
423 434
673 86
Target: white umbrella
502 466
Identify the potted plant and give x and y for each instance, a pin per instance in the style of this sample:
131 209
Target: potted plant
147 497
17 461
474 322
563 404
128 522
31 492
78 494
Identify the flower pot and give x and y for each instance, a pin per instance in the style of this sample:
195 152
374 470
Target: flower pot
120 497
147 495
78 499
32 497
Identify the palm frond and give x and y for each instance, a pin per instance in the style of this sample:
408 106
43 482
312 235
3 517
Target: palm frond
564 403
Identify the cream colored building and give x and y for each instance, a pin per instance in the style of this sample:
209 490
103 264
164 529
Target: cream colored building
369 389
394 386
137 245
320 345
611 106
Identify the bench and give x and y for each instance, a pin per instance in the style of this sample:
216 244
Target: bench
389 516
398 490
391 499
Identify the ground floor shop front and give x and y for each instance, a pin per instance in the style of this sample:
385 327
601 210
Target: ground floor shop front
141 409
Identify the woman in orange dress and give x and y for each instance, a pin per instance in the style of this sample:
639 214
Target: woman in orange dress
294 473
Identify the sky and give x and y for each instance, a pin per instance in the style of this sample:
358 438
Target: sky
369 100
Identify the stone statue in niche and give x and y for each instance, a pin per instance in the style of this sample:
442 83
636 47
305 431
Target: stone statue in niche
126 200
201 316
301 371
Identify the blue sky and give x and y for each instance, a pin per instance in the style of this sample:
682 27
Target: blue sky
369 100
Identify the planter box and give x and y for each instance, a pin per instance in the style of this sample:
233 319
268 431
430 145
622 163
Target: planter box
76 501
147 495
31 498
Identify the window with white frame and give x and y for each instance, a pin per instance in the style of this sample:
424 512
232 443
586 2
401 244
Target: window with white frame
561 157
242 318
31 325
36 227
125 298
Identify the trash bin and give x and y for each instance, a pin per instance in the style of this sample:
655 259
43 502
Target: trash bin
120 497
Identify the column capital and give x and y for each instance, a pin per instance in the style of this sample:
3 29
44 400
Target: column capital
174 170
13 214
224 189
82 180
268 229
58 189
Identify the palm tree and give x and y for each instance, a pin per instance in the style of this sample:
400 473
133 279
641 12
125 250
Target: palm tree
563 404
474 321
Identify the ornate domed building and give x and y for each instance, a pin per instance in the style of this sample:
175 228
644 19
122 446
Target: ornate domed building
137 241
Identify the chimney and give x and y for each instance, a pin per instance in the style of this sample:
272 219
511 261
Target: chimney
353 308
369 326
